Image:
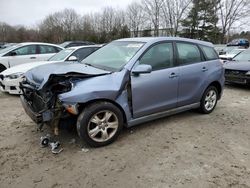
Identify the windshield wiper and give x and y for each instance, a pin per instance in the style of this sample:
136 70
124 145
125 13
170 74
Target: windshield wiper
88 64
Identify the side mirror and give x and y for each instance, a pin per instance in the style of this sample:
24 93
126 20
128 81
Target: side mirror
13 53
142 69
73 58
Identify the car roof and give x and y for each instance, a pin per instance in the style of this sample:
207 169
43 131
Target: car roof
38 43
158 39
86 46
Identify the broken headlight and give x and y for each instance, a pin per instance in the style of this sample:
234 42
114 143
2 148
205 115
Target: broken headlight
61 87
15 75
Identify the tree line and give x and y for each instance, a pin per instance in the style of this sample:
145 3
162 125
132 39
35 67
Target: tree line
210 20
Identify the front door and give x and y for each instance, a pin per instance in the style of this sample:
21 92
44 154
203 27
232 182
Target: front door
156 91
22 55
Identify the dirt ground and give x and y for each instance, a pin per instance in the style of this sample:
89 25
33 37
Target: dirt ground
185 150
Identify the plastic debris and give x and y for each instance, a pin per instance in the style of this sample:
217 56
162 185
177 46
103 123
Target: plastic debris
46 141
85 150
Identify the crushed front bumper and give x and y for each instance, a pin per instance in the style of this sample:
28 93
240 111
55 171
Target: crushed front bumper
36 117
10 86
237 77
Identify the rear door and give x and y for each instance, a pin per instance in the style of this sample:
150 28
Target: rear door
156 91
193 73
45 52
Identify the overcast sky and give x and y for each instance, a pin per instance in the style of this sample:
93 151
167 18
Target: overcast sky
30 12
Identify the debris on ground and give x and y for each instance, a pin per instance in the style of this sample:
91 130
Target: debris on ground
46 141
85 150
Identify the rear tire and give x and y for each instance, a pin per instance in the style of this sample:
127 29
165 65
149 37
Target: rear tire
100 124
209 100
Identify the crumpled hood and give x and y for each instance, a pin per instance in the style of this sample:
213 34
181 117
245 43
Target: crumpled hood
238 65
40 75
24 67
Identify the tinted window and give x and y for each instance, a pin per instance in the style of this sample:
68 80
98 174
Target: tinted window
57 49
83 53
74 44
159 56
209 52
26 50
47 49
188 53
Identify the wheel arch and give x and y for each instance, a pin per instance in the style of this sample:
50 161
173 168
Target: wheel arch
218 87
83 105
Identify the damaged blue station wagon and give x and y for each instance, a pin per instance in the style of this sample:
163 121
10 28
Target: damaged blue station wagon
126 82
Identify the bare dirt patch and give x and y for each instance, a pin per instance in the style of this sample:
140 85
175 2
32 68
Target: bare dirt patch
185 150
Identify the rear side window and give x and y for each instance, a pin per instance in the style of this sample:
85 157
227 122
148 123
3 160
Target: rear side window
57 49
209 52
188 53
160 56
44 49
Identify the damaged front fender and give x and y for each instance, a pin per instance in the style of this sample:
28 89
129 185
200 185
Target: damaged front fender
113 87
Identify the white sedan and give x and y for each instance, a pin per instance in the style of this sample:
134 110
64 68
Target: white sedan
10 78
26 52
230 55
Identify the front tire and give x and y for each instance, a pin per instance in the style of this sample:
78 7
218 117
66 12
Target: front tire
99 124
209 100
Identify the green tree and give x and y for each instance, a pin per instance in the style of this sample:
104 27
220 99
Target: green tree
201 22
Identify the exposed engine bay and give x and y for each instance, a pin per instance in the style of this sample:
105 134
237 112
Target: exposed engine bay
45 106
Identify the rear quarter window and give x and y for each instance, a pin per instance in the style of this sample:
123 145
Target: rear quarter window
209 52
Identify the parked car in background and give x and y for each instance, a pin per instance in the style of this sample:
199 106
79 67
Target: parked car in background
126 82
26 52
219 48
239 42
230 55
6 45
238 70
10 78
68 44
2 44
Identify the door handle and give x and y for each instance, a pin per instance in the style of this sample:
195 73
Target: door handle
173 75
204 69
32 57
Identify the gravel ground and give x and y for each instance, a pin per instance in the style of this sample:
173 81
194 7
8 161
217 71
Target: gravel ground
185 150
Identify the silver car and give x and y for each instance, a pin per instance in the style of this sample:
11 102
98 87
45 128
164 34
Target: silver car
125 83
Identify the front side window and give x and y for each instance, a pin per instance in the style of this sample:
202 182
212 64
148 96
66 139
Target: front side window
188 53
44 49
9 48
26 50
209 52
114 55
159 56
